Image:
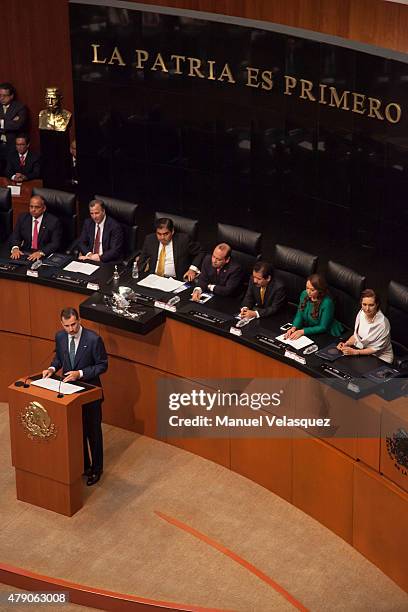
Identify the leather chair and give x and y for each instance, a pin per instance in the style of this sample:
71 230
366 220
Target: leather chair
62 205
245 244
292 267
181 224
6 214
345 287
125 213
397 313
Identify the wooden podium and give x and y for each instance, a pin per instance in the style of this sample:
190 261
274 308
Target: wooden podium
46 445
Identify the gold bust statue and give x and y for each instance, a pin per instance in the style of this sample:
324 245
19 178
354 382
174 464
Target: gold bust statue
54 117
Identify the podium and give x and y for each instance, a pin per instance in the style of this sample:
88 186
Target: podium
46 445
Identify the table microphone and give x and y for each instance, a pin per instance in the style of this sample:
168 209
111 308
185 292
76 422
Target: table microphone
20 383
59 394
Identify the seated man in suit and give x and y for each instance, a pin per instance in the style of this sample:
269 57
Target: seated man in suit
101 238
23 164
265 294
219 273
37 231
170 253
81 355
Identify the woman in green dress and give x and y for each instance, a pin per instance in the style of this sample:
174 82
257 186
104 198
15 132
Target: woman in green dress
315 314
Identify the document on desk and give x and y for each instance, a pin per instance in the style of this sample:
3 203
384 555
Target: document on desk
15 190
160 282
298 344
54 385
81 267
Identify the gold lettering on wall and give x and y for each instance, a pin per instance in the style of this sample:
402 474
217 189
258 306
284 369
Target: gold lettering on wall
95 59
226 74
339 102
398 112
255 77
116 57
159 64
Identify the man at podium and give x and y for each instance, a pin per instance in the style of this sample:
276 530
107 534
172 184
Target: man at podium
81 355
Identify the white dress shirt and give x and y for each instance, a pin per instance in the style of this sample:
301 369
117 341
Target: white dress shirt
101 225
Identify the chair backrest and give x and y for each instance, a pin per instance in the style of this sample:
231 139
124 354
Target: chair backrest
345 287
61 204
292 267
124 213
397 312
245 244
6 214
181 224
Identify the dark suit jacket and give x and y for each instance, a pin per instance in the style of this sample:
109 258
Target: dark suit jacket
112 239
14 120
90 356
185 253
274 299
31 168
227 282
49 236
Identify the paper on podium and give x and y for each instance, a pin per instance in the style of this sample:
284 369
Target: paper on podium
160 282
81 267
15 190
54 385
298 344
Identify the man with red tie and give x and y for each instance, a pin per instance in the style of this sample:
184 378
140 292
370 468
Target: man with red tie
37 232
101 238
23 164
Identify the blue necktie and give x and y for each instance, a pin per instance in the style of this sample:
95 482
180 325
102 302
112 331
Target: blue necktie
72 351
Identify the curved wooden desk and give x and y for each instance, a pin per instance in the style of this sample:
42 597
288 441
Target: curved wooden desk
353 488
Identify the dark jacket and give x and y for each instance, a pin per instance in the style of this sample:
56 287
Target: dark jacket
274 298
112 239
227 281
185 253
14 120
90 356
31 168
49 236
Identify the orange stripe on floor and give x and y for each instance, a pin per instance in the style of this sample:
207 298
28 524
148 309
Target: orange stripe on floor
229 553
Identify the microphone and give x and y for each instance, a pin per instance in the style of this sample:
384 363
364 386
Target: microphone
59 394
20 383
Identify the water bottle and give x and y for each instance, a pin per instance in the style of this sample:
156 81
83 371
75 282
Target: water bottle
135 270
173 301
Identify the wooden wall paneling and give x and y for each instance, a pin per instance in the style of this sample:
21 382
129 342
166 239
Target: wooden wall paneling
380 525
267 461
42 352
36 36
394 444
15 360
46 304
368 439
131 406
150 349
369 21
323 485
14 307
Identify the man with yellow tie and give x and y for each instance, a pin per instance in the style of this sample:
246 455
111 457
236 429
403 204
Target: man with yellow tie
265 294
170 253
